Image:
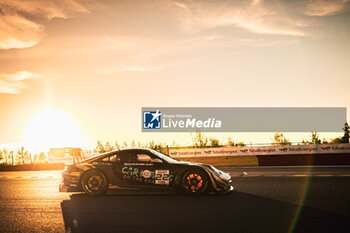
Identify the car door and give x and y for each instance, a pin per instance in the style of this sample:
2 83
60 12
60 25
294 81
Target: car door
155 170
140 168
108 165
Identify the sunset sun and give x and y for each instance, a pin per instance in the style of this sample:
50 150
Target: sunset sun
51 127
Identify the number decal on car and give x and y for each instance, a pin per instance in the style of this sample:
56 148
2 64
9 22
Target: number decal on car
162 177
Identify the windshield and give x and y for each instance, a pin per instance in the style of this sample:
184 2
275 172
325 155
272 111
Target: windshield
95 157
164 157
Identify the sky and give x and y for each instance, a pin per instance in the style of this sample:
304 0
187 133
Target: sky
76 71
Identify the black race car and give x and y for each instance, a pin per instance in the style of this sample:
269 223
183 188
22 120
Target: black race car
143 168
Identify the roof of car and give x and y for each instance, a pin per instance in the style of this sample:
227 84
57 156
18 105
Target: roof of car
113 152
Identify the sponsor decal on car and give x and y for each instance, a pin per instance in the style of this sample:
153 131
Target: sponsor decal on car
102 163
146 174
138 164
161 177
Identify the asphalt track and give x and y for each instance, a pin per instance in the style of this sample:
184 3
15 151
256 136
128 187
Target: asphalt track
266 199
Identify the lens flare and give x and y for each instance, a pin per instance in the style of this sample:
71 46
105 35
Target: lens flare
304 195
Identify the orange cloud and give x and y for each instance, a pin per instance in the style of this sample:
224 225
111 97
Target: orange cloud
11 87
325 7
19 20
13 83
254 16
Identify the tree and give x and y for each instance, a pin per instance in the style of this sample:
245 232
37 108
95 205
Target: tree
11 155
336 140
230 142
214 142
5 154
108 147
280 139
345 138
100 148
125 144
304 142
117 146
42 157
315 139
241 144
133 144
324 141
151 145
22 155
1 155
36 158
199 140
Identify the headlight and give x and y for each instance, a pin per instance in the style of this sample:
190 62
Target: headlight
215 170
225 176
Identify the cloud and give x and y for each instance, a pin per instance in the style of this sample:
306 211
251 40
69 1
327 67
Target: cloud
136 69
18 32
21 22
254 16
13 83
325 7
11 87
21 75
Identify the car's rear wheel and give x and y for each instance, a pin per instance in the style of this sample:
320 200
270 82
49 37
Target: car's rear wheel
195 182
94 183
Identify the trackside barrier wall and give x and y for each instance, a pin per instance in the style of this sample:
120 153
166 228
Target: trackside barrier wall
321 154
33 167
224 161
275 160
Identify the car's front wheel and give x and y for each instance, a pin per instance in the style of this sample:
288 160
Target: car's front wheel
94 183
195 182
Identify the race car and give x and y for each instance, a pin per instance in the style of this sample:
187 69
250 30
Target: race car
142 168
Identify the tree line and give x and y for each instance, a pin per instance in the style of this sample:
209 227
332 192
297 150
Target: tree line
280 139
21 156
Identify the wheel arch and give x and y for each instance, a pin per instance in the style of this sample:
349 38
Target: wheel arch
179 176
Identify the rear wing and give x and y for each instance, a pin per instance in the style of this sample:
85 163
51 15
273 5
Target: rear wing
68 154
77 158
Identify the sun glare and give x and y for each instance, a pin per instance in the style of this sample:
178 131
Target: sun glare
51 127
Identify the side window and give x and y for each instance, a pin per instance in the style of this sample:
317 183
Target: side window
105 159
134 157
114 158
144 158
128 158
147 159
111 158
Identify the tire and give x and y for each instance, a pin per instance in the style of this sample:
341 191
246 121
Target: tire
195 182
94 183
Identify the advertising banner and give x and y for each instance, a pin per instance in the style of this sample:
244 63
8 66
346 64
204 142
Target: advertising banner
260 150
